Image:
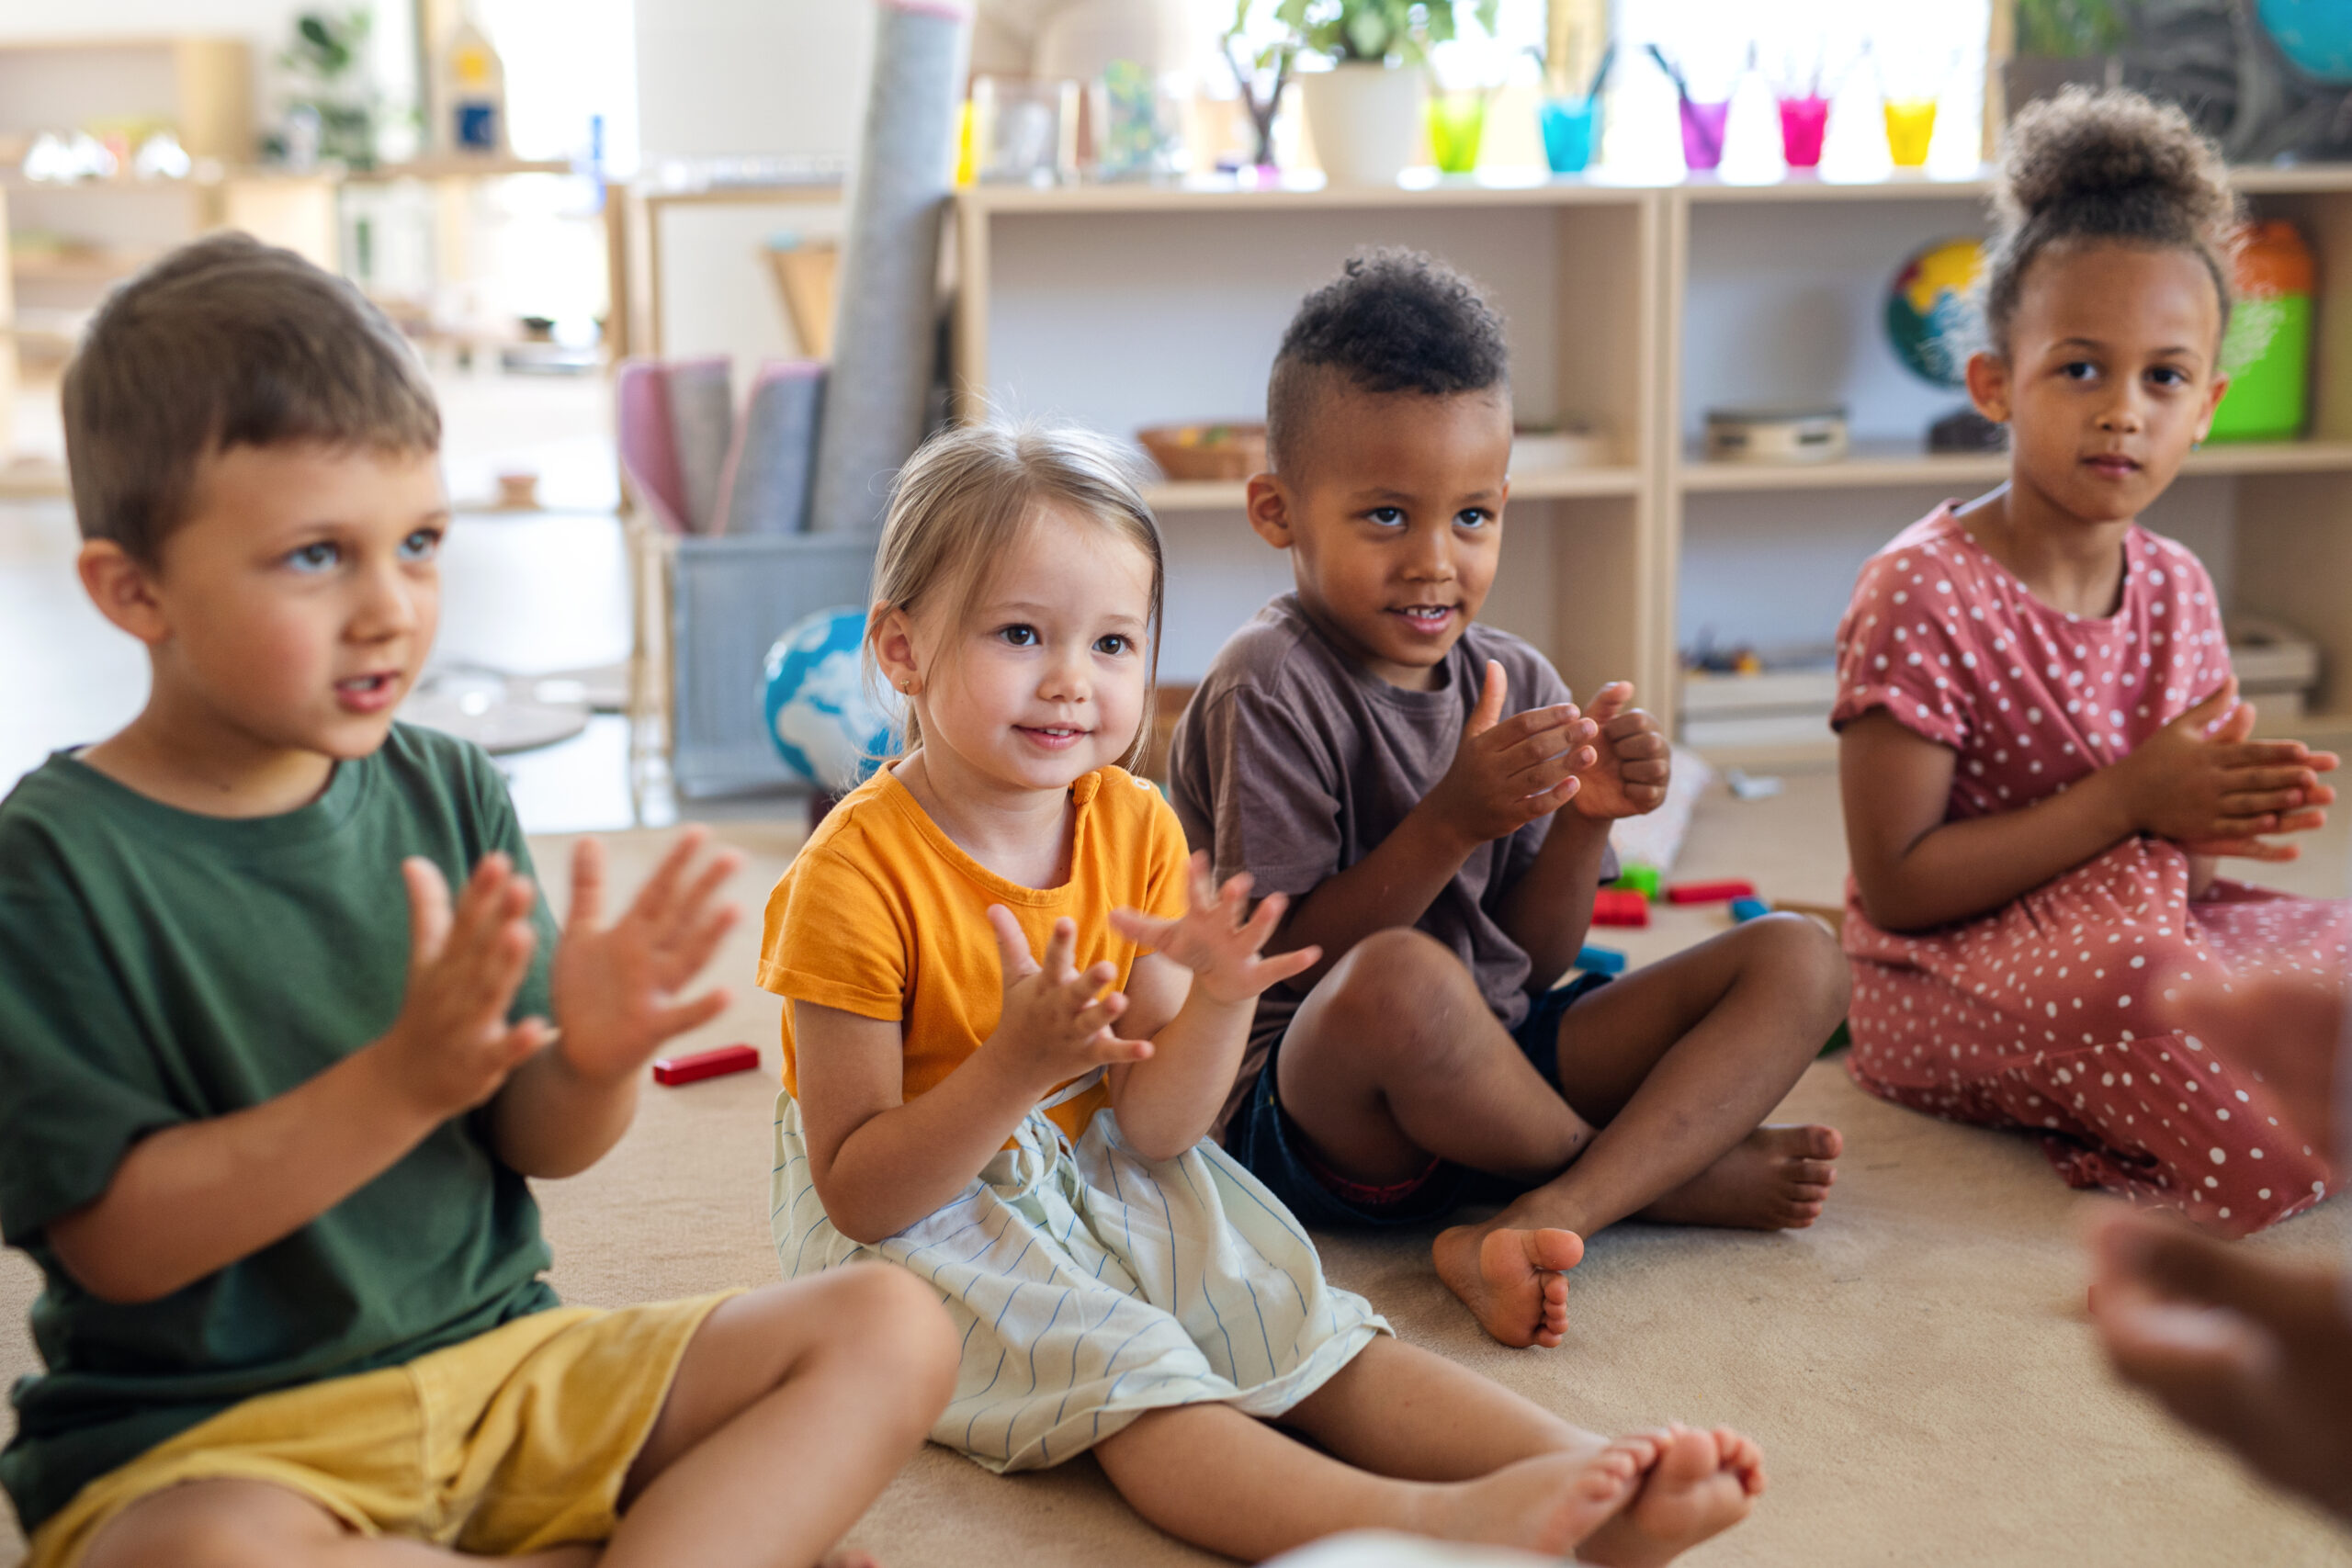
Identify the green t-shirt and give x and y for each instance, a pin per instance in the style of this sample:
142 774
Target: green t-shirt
157 967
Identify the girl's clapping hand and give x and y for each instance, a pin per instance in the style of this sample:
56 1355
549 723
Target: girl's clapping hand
2203 782
1215 942
1055 1017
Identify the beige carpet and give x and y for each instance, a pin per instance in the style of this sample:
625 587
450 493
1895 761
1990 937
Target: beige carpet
1917 1366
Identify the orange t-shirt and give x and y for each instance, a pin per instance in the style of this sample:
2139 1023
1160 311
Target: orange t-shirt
882 915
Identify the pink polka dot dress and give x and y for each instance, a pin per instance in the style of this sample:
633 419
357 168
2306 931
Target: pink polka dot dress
2058 1012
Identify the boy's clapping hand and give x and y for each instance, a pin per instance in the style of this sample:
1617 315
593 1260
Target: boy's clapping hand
1214 941
613 985
1054 1015
1629 776
2203 782
1509 772
452 1043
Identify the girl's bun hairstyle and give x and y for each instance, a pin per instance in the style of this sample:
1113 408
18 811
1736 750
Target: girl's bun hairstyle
2108 165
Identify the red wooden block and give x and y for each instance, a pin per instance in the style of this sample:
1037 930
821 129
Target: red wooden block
1615 908
675 1070
1709 892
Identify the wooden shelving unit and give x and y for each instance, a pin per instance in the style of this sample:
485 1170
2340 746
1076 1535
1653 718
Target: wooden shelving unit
1120 306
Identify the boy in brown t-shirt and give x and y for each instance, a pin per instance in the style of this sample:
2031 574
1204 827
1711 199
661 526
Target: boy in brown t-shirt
1438 812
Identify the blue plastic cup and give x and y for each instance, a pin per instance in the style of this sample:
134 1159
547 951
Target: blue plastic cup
1569 126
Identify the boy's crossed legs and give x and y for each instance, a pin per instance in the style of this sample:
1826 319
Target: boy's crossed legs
1666 1076
791 1408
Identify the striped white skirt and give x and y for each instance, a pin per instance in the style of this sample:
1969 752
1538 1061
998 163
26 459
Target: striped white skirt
1090 1285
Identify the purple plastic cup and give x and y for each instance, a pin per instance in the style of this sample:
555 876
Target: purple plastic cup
1702 132
1803 121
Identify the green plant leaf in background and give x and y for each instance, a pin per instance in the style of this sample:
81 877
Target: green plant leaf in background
1375 30
2066 30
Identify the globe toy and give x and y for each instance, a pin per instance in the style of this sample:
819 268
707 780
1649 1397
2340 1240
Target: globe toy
2314 35
827 724
1931 318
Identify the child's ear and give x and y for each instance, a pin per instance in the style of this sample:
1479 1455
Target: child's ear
1988 386
2213 406
123 590
894 647
1268 505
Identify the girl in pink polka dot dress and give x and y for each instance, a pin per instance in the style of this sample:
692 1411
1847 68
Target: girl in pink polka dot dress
2041 746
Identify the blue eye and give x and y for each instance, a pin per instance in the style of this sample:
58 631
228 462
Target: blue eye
423 545
1020 636
315 557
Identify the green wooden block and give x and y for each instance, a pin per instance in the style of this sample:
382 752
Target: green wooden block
1636 877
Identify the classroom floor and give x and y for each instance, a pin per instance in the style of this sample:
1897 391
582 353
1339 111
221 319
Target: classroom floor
1917 1366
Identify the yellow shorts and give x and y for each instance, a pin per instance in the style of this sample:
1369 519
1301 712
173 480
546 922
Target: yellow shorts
512 1441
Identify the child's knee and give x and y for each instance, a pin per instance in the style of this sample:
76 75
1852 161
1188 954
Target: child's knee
1794 953
1398 989
899 1322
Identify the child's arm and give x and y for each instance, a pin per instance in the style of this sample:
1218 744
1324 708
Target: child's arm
612 989
2198 781
1193 997
1548 911
190 1200
1506 773
879 1161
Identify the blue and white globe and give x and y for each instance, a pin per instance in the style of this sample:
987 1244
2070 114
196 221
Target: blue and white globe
827 725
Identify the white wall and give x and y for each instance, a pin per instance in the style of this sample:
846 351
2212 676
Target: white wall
731 76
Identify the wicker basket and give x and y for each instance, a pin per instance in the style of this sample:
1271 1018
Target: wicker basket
1231 451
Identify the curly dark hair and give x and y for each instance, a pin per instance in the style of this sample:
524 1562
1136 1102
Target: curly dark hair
2108 165
1393 320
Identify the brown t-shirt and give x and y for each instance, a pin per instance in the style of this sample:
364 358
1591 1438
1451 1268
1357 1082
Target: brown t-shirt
1292 763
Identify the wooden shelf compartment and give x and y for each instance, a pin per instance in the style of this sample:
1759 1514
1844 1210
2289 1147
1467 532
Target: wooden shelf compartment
1542 484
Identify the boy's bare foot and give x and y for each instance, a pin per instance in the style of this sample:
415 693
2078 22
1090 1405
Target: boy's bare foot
1515 1282
1775 1179
1548 1503
1704 1483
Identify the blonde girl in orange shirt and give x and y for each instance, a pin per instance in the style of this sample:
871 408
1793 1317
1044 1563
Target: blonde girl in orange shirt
1014 1007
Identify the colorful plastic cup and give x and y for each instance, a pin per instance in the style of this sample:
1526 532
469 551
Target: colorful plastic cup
1910 127
1571 127
1457 123
1702 132
1804 123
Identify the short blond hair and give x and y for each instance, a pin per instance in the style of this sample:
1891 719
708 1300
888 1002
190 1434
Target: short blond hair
964 501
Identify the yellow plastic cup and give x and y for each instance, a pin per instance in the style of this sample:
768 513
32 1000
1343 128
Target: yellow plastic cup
1910 127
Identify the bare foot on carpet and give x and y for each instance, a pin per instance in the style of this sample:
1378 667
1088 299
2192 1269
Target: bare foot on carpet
1515 1282
1775 1179
1704 1483
1545 1505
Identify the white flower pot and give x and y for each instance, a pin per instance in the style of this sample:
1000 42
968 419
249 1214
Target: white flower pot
1365 118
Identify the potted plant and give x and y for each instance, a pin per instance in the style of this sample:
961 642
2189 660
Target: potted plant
2058 42
1365 112
1261 74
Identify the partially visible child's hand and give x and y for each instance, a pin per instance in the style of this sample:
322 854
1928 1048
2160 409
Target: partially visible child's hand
1629 774
1509 772
1057 1022
613 985
451 1047
1214 941
2203 782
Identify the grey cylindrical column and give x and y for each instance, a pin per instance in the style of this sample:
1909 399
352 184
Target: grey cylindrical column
887 338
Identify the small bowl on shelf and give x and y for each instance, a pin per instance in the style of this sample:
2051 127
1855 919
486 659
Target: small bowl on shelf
1233 450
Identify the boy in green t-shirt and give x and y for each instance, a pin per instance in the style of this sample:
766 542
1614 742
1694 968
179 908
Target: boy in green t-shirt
265 1124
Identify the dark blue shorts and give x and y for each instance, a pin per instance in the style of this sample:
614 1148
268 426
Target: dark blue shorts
1270 1145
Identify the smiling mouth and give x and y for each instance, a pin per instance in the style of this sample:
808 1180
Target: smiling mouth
1425 618
1053 735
